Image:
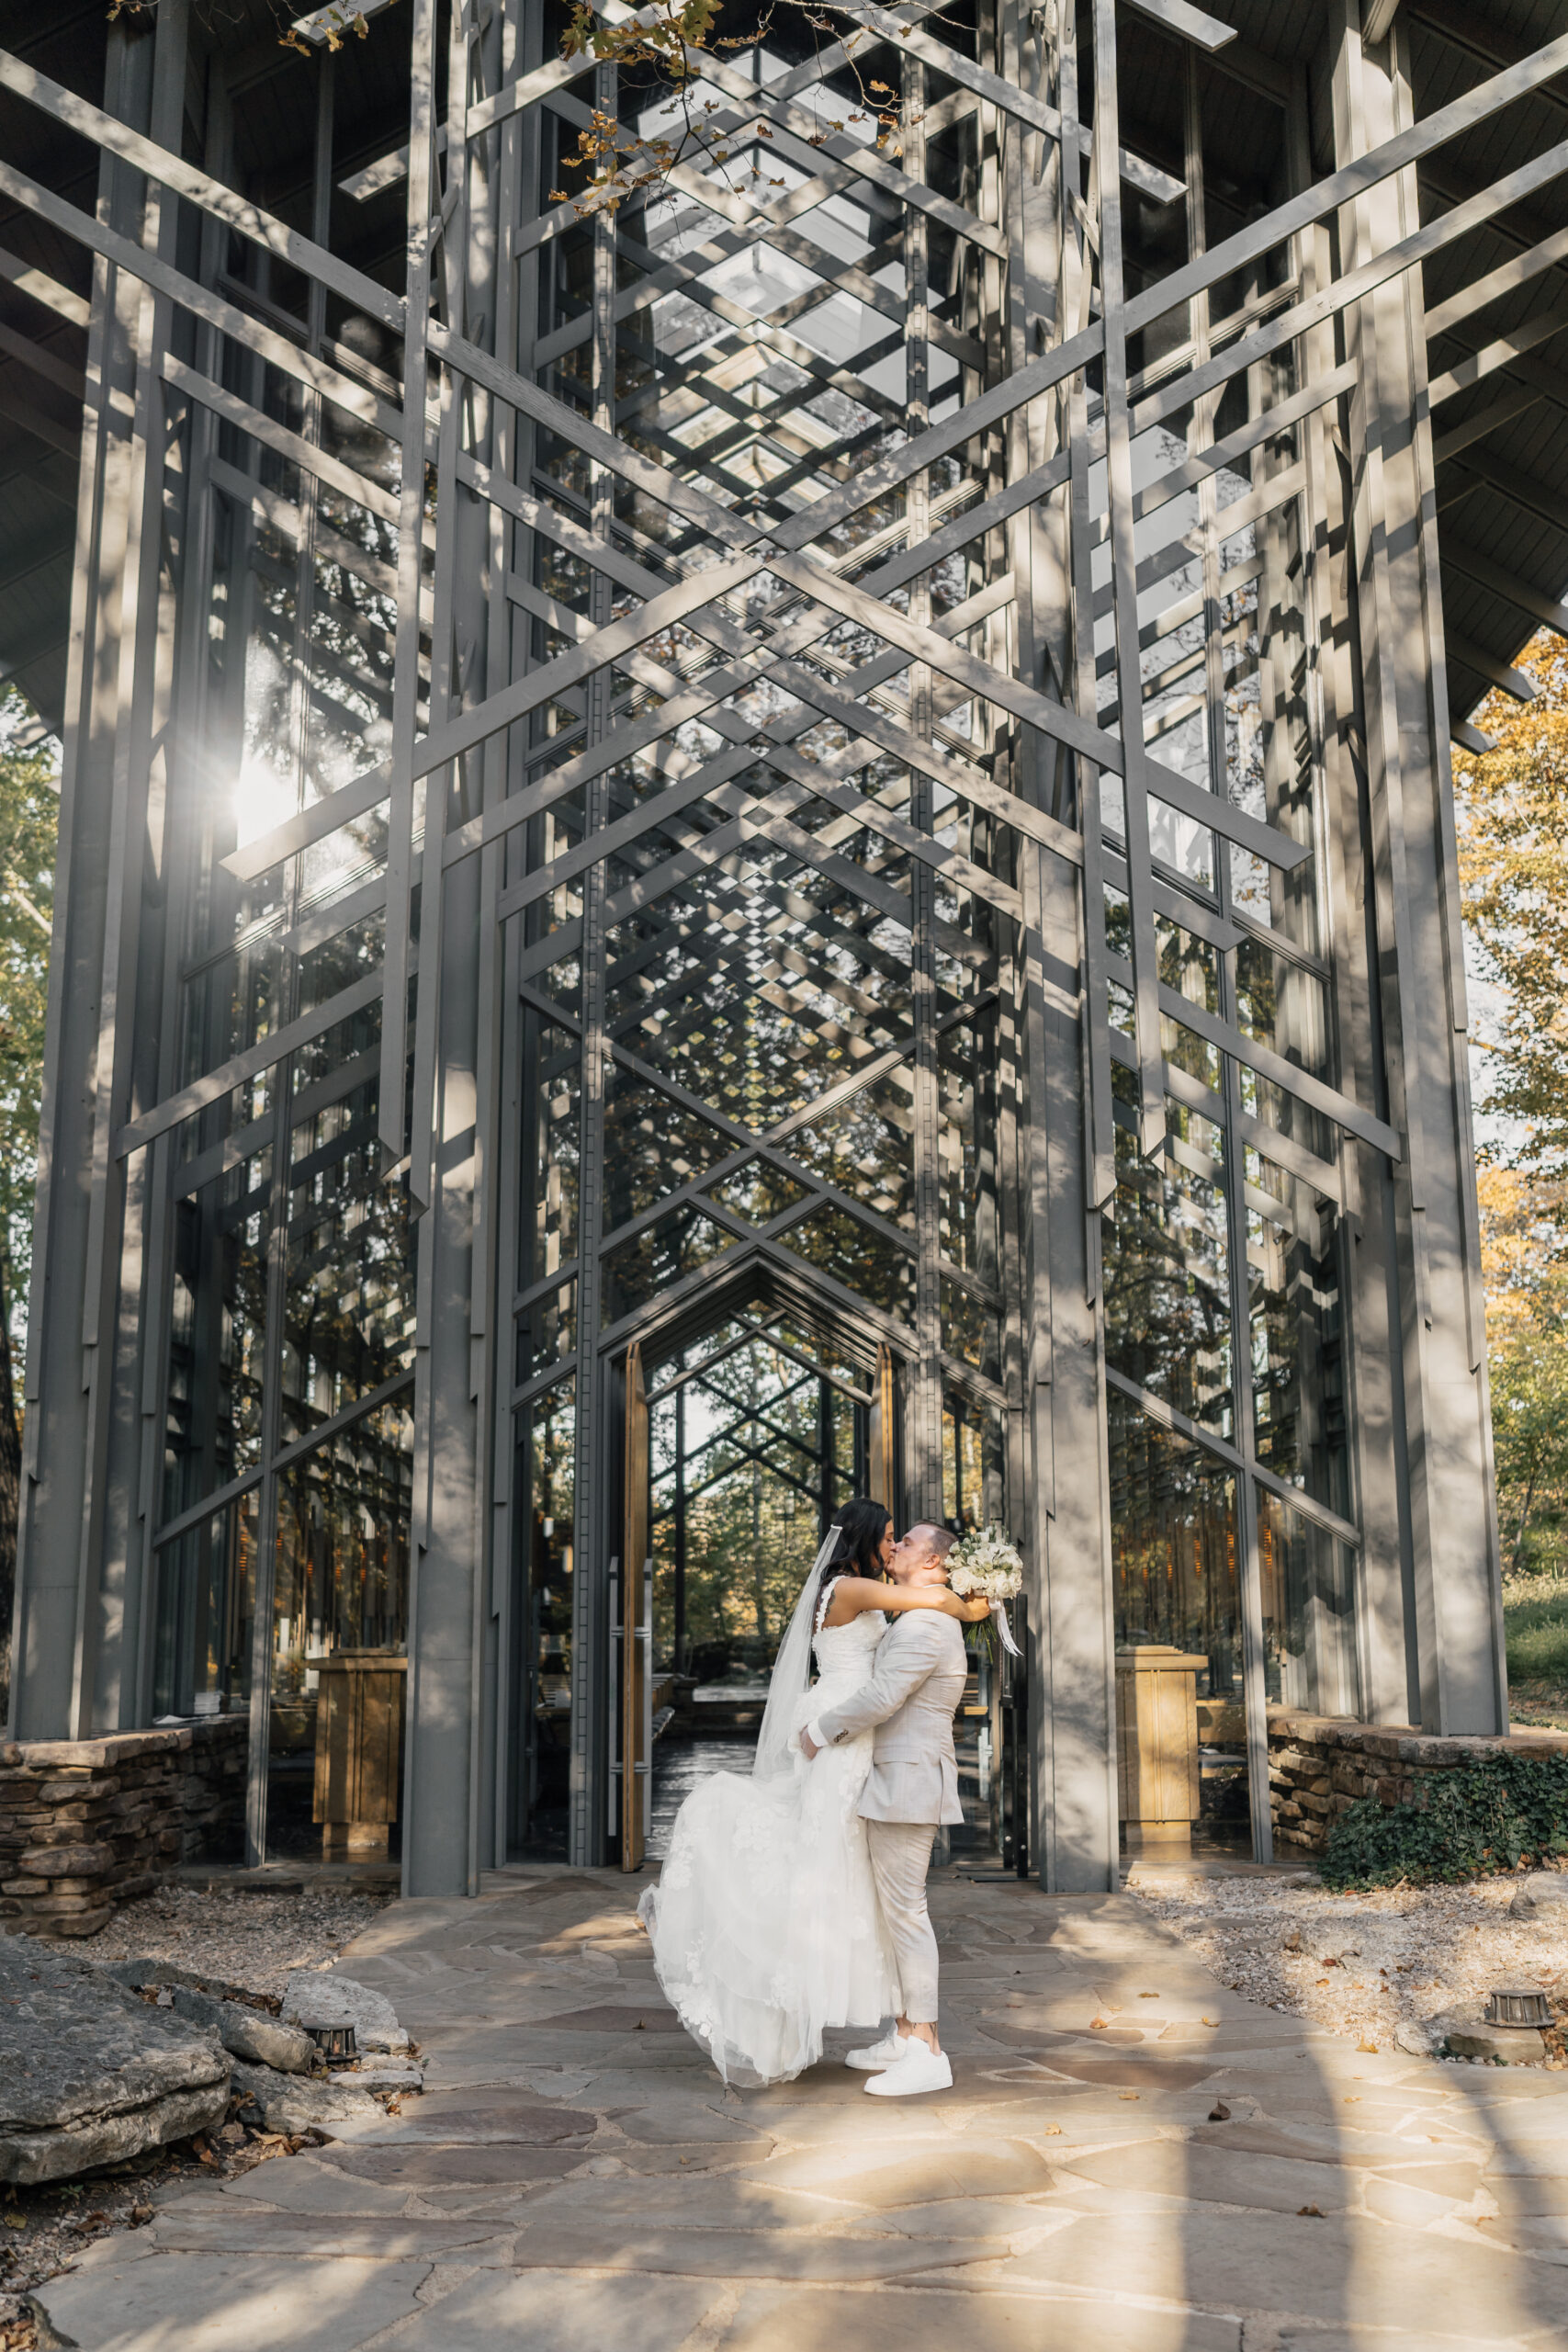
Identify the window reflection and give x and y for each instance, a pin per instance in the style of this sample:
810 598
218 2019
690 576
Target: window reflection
1309 1613
349 1311
206 1611
1176 1581
1168 1310
545 1499
339 1642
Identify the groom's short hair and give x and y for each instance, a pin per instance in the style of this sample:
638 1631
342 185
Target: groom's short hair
936 1541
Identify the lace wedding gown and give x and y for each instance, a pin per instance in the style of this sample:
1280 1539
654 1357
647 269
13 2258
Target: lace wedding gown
764 1924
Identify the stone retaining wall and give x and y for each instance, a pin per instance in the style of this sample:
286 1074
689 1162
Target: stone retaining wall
86 1824
1318 1765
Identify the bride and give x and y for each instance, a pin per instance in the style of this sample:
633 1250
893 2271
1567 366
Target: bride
764 1924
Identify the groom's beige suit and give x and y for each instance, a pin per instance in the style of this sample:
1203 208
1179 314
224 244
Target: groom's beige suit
914 1690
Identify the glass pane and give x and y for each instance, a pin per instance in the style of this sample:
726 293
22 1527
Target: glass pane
1168 1311
653 1145
974 1463
1297 1334
659 1256
1309 1613
866 1147
350 1307
971 1328
217 1333
966 1147
546 1331
552 1091
1176 1583
339 1661
865 1262
759 1191
206 1610
546 1494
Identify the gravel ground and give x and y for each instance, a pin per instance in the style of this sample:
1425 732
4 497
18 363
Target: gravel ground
1362 1964
250 1940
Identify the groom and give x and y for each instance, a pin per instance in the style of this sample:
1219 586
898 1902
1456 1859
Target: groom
913 1693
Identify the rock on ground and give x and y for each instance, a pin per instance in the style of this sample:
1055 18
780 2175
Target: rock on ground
1466 2034
1538 1893
291 2103
327 2000
390 2074
248 2033
88 2073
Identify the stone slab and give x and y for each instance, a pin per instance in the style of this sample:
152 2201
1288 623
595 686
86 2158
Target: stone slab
248 2033
89 2075
295 2103
1334 2271
739 2254
563 2313
1212 2175
884 2176
487 2166
241 2229
302 2184
312 1998
494 2116
807 2320
224 2303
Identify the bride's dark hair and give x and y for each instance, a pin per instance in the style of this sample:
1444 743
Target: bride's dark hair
862 1525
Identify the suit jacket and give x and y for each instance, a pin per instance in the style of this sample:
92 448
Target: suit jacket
914 1690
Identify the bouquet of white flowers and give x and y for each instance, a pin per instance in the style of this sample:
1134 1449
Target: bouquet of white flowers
987 1562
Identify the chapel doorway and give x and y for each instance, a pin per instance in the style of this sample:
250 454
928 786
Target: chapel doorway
757 1434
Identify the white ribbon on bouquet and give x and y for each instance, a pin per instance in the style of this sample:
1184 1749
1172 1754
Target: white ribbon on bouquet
999 1611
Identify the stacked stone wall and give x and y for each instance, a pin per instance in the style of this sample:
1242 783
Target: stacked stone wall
1319 1765
87 1823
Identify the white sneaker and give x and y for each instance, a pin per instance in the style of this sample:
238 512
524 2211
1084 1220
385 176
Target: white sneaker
886 2052
920 2069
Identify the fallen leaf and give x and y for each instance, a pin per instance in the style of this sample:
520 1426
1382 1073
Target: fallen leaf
1369 2047
1149 1996
1098 2025
1128 2093
1311 2212
1209 2020
1219 2112
1053 2131
1353 2101
1322 1980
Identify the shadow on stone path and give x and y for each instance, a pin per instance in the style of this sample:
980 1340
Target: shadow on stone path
577 2179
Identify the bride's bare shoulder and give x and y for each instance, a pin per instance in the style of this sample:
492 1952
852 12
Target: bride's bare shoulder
851 1597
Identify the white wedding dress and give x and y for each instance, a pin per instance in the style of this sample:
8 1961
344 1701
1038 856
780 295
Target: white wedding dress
765 1924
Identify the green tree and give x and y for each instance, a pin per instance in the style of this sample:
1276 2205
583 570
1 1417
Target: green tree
1514 846
1513 813
1530 1415
28 814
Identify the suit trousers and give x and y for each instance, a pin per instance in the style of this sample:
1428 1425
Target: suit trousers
900 1857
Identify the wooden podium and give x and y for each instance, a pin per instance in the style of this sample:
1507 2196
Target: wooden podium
359 1751
1156 1739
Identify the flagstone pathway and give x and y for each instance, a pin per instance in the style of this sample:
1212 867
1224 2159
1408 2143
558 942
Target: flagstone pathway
577 2179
